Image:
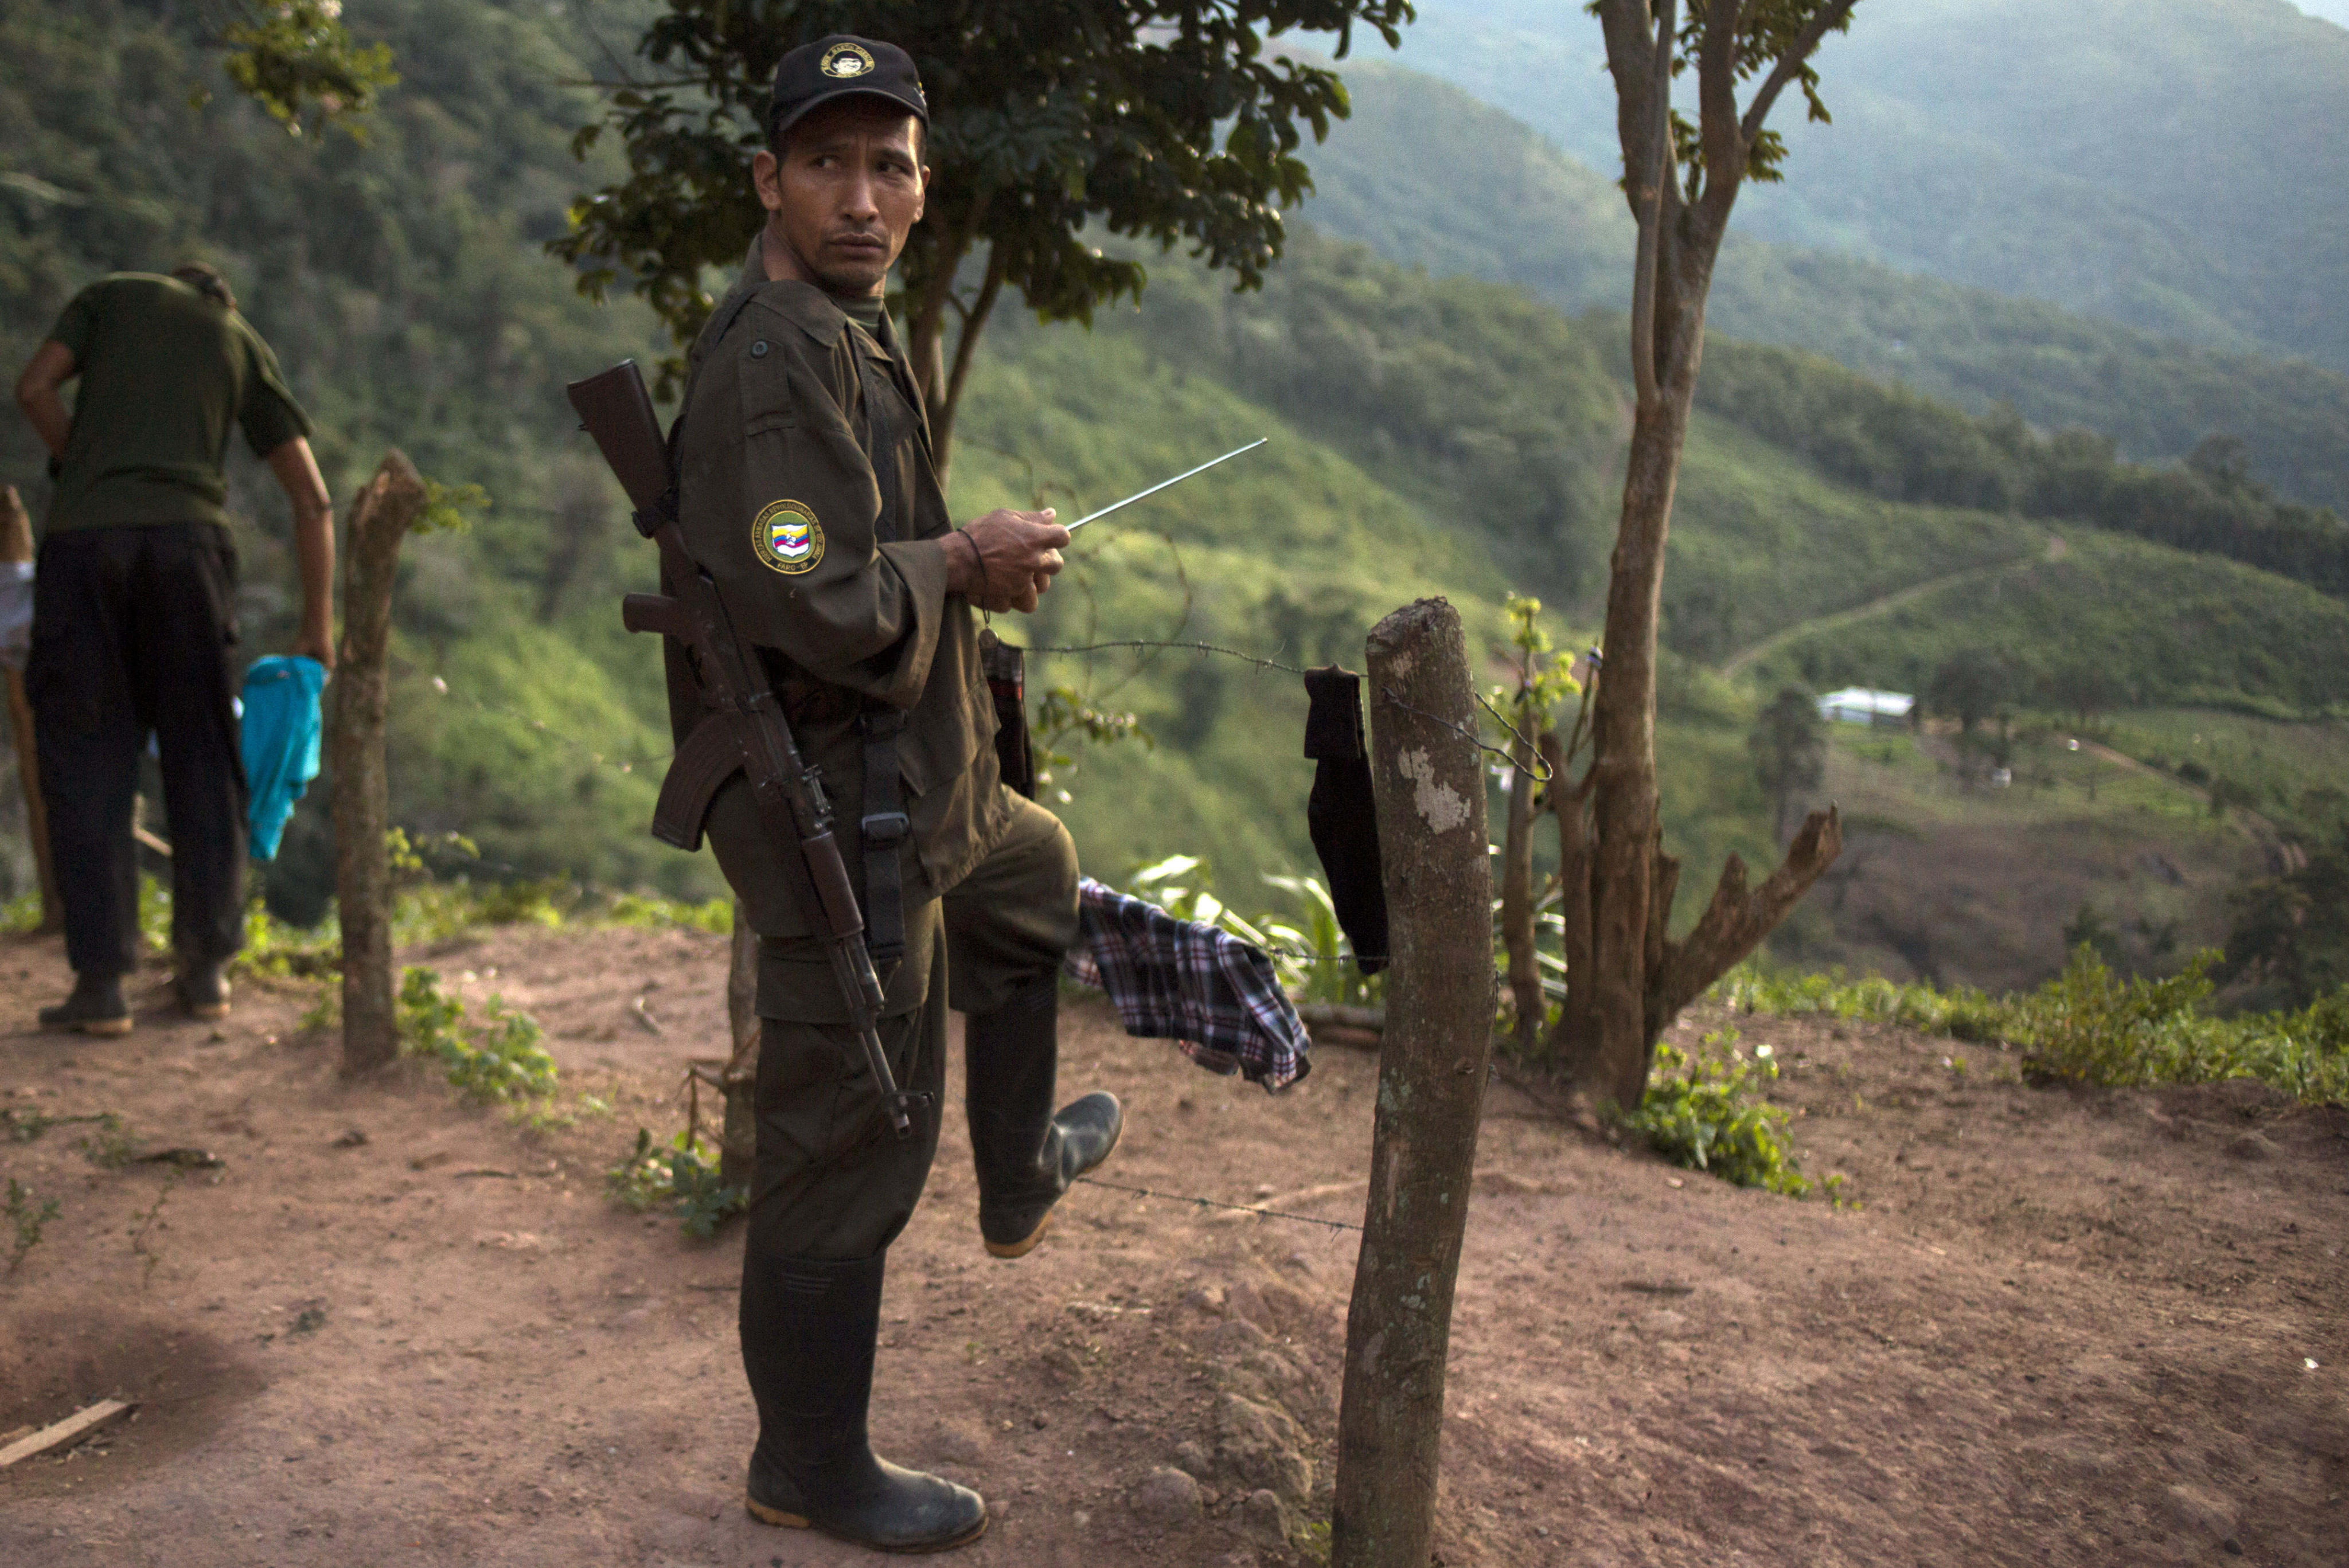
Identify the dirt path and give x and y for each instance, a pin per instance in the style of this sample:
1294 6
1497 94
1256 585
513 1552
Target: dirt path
1745 658
2066 1328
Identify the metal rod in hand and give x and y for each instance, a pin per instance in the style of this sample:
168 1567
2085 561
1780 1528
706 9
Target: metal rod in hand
1179 479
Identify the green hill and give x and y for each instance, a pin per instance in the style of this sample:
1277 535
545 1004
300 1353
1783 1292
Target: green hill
1431 434
2174 165
1388 178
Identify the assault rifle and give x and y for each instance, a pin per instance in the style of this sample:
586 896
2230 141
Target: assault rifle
749 732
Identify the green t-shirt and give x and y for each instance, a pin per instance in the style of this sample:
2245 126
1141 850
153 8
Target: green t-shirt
164 371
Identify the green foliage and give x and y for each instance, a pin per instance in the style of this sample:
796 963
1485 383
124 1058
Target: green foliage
2090 1025
1789 748
111 1146
1166 122
2221 239
295 59
21 915
681 1175
1386 177
1315 960
2169 628
446 507
497 1060
1892 442
28 1219
1492 415
2291 932
1701 1111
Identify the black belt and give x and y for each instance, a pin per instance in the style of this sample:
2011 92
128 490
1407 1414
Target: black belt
884 827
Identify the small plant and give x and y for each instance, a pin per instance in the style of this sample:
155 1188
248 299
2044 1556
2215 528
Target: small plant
1702 1113
144 1223
499 1061
1315 960
684 1174
29 1219
111 1145
21 915
630 908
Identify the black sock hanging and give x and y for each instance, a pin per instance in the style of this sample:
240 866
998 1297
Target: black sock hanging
1340 816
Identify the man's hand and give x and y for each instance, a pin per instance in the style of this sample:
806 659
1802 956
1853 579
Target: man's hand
1005 560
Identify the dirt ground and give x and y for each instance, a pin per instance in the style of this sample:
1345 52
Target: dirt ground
2065 1327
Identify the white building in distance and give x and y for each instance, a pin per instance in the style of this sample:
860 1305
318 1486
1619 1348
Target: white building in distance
1858 705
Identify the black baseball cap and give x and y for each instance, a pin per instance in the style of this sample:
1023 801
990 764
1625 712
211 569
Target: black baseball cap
843 65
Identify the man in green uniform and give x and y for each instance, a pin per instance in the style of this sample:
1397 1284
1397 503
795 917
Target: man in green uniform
806 490
134 613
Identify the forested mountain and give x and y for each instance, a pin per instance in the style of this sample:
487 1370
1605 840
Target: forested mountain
1393 177
2175 165
402 285
1431 434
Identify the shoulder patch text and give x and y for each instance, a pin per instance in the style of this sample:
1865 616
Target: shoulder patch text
786 538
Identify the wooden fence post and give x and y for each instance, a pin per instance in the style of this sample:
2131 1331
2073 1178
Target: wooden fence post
16 547
738 1138
1441 995
385 510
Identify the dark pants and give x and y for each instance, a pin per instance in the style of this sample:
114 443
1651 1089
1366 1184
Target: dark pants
132 632
832 1181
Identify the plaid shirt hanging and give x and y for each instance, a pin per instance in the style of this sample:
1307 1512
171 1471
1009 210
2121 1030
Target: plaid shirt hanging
1215 995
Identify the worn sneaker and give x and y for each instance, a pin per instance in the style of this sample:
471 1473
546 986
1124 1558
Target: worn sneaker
203 990
96 1008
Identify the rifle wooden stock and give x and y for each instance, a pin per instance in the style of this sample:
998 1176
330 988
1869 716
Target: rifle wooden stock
749 731
616 409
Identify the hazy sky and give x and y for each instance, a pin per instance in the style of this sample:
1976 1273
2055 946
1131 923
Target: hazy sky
2330 10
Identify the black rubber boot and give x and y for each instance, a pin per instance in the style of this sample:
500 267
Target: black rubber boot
96 1008
808 1332
202 988
1027 1155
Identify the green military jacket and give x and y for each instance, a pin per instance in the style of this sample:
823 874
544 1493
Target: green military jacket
164 372
830 556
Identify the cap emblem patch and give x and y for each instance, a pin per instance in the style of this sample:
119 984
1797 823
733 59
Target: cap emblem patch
844 61
787 538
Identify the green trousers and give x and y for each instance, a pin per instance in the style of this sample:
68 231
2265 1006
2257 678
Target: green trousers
832 1181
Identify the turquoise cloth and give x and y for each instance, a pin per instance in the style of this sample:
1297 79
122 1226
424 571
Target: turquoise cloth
281 741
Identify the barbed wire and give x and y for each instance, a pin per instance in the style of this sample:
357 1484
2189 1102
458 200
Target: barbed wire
1258 660
1472 738
1218 1203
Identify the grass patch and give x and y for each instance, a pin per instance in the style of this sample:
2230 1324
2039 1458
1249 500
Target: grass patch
2091 1026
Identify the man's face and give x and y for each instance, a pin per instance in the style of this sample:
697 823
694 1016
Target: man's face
845 194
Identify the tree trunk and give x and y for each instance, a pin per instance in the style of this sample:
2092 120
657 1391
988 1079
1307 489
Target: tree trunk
738 1142
1432 1065
385 510
1613 1053
17 548
1517 905
1576 1030
1635 973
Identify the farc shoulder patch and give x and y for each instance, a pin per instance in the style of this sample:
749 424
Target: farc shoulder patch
786 538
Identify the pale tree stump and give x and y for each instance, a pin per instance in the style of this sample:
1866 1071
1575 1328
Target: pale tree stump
387 508
1437 1051
16 547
